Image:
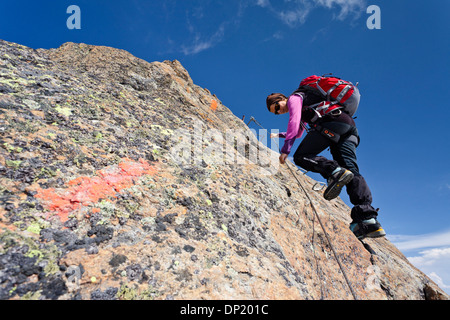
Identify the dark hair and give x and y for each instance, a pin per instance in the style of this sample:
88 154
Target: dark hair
273 98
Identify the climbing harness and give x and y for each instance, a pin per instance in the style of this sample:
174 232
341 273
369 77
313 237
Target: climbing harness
318 218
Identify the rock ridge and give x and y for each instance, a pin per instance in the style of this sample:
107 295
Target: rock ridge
95 204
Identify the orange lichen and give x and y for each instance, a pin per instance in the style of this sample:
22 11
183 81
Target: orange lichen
213 105
85 191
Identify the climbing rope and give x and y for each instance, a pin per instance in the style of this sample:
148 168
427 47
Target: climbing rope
318 219
326 234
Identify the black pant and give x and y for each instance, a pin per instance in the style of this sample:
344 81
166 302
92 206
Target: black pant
343 150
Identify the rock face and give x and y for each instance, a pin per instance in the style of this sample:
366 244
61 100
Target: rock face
105 194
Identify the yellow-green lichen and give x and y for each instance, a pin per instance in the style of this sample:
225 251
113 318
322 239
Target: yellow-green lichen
64 110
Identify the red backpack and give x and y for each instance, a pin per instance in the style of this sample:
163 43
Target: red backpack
334 90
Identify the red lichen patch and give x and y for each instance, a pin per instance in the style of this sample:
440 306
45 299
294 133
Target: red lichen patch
96 210
85 191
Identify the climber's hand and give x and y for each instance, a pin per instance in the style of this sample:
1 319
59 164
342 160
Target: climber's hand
274 135
283 158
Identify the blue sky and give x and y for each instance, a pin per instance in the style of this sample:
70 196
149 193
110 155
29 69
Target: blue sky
242 50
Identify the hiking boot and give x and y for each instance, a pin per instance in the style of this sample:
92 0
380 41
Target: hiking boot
370 228
336 182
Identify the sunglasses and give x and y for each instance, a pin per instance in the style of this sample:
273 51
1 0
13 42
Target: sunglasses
277 107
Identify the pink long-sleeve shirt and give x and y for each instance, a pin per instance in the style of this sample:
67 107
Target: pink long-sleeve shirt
295 129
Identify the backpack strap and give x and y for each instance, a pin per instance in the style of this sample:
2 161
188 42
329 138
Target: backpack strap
343 92
329 92
325 94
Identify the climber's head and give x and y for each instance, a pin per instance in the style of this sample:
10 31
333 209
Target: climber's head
277 103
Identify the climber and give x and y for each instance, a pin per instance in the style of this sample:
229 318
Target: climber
330 126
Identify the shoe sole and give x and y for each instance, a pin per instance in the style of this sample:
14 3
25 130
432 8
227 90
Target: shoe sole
335 191
374 234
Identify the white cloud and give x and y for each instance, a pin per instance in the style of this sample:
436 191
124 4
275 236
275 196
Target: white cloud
433 276
429 257
295 16
202 25
291 12
444 187
296 12
416 242
346 6
430 253
200 44
435 263
263 3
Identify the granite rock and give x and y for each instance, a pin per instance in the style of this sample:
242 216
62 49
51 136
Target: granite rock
95 204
